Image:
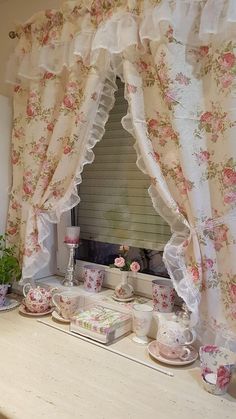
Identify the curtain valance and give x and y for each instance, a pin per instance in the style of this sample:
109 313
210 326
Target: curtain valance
94 29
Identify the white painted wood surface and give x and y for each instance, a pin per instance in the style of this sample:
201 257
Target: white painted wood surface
48 374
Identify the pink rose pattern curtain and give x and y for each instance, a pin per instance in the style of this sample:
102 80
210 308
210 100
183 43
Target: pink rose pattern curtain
178 62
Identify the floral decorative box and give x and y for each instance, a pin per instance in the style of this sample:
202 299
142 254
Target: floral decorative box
101 324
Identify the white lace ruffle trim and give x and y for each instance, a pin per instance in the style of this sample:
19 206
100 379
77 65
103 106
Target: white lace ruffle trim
194 22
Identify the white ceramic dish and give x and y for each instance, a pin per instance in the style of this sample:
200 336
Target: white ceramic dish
58 318
122 300
23 310
154 352
9 304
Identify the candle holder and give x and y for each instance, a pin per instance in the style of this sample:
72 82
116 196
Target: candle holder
70 280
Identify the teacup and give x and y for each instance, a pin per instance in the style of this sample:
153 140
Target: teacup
175 351
217 367
93 278
163 296
67 304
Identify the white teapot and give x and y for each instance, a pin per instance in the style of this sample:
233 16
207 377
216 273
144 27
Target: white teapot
174 337
37 300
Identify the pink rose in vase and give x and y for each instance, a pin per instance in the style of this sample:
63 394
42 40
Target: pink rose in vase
119 262
135 267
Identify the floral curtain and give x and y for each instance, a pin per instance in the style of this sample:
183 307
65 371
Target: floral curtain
178 62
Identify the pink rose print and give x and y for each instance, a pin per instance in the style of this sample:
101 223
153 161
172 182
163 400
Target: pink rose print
67 149
233 292
50 127
142 65
15 157
68 102
48 75
135 267
119 262
203 156
230 198
206 117
195 273
223 376
229 176
152 124
30 111
182 79
203 50
226 80
12 231
210 348
227 60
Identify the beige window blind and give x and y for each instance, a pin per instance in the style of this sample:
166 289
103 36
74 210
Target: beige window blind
115 206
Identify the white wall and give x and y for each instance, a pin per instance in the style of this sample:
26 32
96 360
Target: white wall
5 167
12 12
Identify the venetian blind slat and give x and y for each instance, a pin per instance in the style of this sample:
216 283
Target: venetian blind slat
115 205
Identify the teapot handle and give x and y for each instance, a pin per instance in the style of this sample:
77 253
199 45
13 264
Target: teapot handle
55 299
26 288
189 333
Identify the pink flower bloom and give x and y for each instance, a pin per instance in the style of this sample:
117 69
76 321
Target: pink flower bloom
210 348
142 65
124 248
48 75
119 262
226 80
152 124
203 51
227 60
135 267
68 102
229 176
223 376
195 273
209 263
203 156
182 79
67 149
206 117
230 198
167 131
233 292
30 111
28 189
50 127
12 231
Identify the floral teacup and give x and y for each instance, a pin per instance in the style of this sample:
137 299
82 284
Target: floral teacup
93 278
217 366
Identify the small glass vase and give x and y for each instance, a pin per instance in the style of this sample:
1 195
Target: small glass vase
124 290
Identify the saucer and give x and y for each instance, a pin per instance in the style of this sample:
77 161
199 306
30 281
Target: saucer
154 352
56 316
122 300
24 310
9 304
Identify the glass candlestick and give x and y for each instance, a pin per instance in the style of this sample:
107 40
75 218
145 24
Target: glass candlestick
69 280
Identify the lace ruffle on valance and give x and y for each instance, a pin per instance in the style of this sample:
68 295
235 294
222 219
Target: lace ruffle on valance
95 30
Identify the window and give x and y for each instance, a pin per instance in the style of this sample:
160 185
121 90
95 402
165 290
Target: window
115 206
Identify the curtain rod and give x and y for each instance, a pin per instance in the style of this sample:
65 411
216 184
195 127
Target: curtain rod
13 35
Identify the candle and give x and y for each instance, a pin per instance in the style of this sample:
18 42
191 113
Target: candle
72 235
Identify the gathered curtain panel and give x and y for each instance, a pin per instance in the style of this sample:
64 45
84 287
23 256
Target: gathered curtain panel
178 61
